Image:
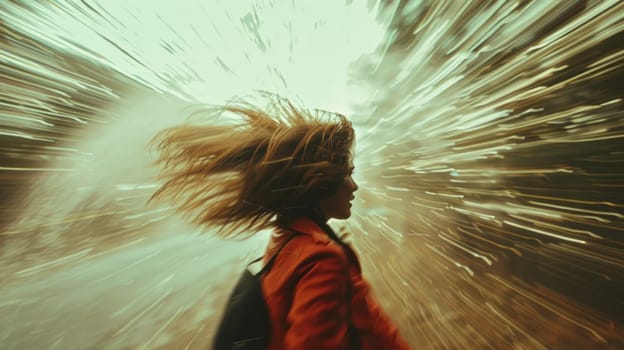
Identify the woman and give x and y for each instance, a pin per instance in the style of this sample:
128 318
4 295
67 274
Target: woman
289 169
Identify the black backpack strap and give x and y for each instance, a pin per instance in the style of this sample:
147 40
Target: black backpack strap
269 264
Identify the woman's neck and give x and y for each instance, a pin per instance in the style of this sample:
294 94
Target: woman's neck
319 215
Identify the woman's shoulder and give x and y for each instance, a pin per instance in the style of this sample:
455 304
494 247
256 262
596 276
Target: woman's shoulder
313 244
304 249
302 254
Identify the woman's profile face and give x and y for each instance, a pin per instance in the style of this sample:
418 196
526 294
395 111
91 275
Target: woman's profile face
338 205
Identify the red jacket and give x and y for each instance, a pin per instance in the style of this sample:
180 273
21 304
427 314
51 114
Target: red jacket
306 293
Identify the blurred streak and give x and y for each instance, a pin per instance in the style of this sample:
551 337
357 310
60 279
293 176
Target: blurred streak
489 158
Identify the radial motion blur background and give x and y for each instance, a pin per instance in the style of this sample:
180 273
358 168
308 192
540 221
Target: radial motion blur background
489 157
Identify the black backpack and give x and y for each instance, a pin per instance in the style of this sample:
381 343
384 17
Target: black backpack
245 322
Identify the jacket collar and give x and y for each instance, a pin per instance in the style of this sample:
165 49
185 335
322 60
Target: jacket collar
307 226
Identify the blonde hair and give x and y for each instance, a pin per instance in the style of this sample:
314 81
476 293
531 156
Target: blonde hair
270 163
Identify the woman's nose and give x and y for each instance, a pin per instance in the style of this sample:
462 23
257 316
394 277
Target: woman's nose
354 185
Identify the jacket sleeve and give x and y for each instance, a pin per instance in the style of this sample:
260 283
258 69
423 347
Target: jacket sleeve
318 315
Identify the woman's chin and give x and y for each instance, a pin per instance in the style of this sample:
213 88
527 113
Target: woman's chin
341 215
345 215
